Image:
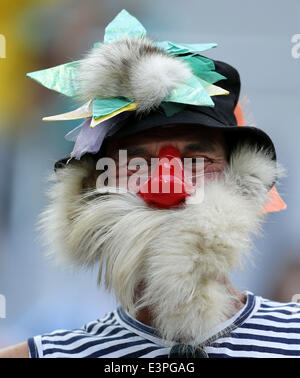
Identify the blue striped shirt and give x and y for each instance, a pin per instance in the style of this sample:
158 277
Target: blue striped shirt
262 328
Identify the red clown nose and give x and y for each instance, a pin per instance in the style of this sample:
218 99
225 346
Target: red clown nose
167 186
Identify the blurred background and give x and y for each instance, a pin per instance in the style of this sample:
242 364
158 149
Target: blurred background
258 38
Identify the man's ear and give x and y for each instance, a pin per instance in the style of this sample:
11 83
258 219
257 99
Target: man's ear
89 182
256 162
60 164
84 169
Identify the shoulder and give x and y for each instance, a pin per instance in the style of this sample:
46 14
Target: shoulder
270 330
73 343
288 310
277 316
15 351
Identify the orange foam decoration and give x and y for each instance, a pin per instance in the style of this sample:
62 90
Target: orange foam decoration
238 112
275 202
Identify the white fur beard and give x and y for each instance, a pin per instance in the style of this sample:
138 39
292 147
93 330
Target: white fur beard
179 256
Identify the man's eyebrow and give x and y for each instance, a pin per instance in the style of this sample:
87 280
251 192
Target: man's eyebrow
133 150
203 146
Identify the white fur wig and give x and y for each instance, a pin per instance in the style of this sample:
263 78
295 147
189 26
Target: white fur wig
180 256
132 68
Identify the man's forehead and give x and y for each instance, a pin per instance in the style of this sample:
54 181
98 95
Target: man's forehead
173 132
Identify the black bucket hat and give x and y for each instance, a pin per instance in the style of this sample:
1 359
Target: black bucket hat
220 116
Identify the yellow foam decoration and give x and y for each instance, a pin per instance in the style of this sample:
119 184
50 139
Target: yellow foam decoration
127 108
84 111
214 90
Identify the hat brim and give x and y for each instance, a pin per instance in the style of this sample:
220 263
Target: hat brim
234 134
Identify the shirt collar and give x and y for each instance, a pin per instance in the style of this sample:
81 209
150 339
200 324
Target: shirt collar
222 329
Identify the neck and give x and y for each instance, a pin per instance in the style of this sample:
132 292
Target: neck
144 315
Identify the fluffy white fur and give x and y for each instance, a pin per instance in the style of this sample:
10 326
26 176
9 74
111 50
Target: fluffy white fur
132 68
178 256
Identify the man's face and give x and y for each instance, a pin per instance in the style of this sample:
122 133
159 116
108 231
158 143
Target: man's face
191 142
171 261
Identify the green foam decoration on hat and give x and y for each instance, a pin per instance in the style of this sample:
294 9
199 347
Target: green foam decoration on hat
203 67
171 108
60 78
124 25
184 48
192 92
105 106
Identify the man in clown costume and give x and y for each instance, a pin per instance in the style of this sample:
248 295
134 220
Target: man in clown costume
188 184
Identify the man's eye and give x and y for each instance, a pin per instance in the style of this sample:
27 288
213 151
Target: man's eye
138 164
200 159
